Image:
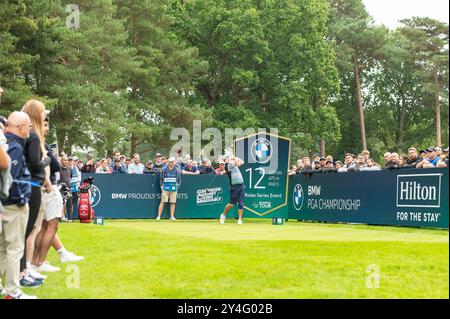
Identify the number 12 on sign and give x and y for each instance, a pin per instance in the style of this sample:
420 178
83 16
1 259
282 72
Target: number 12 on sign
263 173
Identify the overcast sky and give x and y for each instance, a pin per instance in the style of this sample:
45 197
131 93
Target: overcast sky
388 12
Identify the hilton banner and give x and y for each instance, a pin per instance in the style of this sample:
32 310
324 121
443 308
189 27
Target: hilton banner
410 197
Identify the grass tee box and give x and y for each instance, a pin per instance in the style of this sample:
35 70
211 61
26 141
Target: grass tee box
203 259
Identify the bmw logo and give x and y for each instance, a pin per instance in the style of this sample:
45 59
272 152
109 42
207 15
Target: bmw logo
261 150
298 197
96 195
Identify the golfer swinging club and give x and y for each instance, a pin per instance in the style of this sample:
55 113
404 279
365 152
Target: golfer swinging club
237 187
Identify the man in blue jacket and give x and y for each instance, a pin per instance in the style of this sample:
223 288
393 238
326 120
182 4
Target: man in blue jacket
15 215
170 181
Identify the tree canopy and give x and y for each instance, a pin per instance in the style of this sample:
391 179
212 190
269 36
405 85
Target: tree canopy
319 71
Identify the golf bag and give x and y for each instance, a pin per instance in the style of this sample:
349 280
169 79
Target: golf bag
85 210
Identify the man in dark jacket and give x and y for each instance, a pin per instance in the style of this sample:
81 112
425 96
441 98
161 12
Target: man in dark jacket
307 168
65 174
413 158
207 168
15 215
118 168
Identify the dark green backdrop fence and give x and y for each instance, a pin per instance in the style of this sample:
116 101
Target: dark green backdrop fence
400 197
412 197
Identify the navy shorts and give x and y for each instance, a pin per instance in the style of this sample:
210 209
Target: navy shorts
237 193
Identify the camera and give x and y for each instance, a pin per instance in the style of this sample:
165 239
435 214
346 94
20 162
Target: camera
65 192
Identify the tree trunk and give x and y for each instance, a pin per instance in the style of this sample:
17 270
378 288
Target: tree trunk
438 109
60 140
360 107
322 147
401 127
133 144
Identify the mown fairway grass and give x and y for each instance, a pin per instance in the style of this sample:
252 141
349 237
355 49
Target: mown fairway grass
202 259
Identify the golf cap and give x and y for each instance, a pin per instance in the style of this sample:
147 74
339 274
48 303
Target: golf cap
322 158
445 149
430 149
171 159
158 155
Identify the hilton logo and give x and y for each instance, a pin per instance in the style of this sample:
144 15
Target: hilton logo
419 190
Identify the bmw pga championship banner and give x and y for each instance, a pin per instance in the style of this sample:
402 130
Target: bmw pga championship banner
265 172
405 197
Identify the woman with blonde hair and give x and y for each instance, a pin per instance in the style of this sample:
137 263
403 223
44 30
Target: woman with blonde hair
37 160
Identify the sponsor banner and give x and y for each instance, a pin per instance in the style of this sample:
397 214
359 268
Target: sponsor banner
410 197
125 196
265 173
138 196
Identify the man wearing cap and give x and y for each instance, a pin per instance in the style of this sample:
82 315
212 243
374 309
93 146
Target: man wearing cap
431 160
118 167
149 168
322 162
207 168
317 168
329 167
170 181
158 165
237 187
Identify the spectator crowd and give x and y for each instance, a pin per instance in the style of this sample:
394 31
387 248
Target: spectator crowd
431 157
119 164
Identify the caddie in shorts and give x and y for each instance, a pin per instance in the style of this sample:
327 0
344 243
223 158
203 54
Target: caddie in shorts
170 181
